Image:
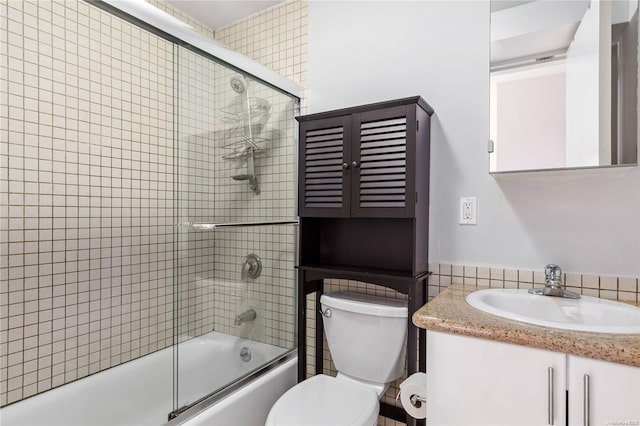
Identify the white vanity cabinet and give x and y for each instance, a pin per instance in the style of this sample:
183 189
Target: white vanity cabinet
486 383
472 381
603 393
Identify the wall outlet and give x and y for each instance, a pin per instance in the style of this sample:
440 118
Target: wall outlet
468 210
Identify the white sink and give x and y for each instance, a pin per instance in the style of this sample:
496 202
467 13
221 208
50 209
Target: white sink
584 314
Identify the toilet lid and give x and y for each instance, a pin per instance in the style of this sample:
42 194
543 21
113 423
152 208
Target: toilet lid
325 401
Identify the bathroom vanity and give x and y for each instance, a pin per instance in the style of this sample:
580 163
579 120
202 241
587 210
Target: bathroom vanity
482 369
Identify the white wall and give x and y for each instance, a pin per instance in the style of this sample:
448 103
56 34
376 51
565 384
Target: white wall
363 52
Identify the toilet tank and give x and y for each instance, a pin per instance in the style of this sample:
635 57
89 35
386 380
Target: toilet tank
366 335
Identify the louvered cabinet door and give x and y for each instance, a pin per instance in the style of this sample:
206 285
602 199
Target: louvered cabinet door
325 159
383 151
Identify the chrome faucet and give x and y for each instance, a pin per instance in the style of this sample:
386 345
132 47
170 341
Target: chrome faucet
246 316
553 284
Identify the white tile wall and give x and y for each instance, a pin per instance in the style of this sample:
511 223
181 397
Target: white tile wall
272 295
87 245
276 38
211 126
188 19
87 179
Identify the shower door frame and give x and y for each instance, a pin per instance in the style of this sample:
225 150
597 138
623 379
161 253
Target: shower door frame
269 78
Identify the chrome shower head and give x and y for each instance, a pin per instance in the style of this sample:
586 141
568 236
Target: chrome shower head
238 83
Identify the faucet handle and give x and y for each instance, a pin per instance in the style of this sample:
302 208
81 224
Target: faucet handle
251 267
552 273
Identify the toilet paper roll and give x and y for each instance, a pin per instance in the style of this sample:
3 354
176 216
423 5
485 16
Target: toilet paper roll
416 384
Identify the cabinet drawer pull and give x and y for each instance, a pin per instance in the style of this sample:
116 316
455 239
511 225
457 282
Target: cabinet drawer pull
586 401
345 165
550 397
355 164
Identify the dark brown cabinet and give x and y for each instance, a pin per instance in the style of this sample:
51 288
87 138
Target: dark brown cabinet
368 161
363 202
364 187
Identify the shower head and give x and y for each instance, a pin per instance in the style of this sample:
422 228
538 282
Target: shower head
238 83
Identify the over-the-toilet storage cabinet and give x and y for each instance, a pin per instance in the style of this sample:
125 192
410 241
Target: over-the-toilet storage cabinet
363 202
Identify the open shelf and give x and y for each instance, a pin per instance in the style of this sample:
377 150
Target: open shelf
362 245
398 281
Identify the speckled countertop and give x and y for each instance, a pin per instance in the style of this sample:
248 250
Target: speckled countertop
449 312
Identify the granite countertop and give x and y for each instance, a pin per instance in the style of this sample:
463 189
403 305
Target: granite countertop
449 312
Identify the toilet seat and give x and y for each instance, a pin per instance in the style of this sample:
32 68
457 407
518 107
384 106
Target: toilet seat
325 401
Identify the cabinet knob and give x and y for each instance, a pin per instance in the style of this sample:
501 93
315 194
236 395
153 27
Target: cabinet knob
345 165
355 164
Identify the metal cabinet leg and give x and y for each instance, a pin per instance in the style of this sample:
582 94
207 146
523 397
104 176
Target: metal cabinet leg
302 328
319 329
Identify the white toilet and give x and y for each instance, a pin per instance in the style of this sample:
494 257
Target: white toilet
366 336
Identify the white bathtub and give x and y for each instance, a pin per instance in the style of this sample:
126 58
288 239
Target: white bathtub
140 392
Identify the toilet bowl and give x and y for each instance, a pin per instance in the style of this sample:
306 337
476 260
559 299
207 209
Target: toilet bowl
367 340
325 401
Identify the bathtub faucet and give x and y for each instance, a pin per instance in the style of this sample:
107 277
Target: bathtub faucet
246 316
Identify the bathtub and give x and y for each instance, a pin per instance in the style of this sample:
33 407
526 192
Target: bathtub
140 392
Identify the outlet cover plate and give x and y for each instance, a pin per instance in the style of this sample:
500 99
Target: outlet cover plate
468 210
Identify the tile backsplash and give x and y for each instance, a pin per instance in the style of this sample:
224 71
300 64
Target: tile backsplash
625 289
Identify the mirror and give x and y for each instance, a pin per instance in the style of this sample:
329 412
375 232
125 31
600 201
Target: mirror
563 84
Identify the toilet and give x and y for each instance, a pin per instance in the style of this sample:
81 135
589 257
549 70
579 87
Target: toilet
367 340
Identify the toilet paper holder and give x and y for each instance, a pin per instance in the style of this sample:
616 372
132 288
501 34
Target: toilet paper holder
417 400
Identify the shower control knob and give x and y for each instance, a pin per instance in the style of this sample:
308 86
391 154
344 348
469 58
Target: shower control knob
355 164
345 165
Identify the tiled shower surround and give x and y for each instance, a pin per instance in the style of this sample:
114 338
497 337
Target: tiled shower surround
210 127
87 219
277 38
88 195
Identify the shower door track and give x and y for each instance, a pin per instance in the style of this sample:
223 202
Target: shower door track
206 226
181 415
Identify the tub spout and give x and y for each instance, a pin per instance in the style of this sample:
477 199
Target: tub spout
246 316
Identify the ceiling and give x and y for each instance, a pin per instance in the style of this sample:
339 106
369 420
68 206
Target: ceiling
525 30
220 13
497 5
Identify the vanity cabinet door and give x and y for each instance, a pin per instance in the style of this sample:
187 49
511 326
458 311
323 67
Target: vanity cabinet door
480 382
603 393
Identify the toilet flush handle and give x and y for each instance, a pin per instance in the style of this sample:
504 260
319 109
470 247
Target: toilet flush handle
326 313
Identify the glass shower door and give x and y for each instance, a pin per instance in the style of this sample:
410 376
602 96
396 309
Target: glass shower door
234 280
